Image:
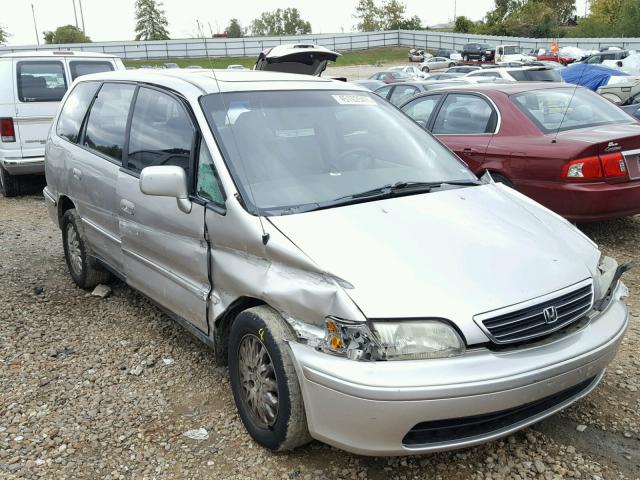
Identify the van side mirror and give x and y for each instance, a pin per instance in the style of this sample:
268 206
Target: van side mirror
166 181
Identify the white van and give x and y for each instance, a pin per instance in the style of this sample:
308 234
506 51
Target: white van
31 87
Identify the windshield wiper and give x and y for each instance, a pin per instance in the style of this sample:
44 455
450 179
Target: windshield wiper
385 191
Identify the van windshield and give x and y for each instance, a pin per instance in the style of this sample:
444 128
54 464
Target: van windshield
290 150
511 50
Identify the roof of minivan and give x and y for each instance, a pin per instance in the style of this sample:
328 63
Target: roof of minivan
56 53
224 80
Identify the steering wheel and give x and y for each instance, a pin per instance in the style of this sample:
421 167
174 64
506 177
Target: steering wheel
356 158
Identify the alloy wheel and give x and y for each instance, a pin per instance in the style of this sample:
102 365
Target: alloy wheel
259 384
73 249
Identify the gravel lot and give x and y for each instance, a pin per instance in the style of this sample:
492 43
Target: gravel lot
106 388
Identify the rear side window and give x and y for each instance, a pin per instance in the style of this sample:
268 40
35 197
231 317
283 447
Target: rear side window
465 115
536 75
41 81
108 120
79 68
161 132
74 110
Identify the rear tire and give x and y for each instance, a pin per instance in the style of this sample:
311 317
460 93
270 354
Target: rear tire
483 58
266 391
10 185
425 69
498 178
83 267
451 65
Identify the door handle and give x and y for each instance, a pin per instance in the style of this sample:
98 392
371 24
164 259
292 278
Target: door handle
127 207
469 151
77 173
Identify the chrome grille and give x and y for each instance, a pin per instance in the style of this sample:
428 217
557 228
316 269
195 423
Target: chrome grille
532 322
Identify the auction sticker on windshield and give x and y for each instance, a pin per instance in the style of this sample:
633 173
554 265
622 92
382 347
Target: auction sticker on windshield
354 100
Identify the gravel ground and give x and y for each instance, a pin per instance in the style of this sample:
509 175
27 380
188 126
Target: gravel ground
106 388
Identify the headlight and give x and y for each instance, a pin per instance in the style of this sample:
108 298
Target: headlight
392 340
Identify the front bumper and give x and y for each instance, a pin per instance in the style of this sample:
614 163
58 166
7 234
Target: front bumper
23 166
370 407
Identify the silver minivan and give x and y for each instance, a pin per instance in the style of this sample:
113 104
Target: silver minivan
365 288
32 83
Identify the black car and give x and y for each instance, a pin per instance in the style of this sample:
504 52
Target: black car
478 51
445 52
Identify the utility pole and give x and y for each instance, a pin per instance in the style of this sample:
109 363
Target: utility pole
75 12
82 16
455 11
35 25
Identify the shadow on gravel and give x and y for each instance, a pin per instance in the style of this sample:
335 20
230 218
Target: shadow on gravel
614 447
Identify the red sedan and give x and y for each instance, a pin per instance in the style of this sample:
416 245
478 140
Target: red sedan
554 57
566 147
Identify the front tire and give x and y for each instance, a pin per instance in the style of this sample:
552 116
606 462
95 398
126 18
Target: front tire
10 185
483 58
83 267
451 65
425 69
498 178
264 381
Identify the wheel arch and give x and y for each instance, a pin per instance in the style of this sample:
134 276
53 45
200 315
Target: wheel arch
222 325
64 204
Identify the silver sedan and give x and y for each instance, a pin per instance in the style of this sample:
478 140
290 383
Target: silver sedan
436 63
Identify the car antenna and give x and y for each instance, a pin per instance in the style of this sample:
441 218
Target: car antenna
566 110
265 234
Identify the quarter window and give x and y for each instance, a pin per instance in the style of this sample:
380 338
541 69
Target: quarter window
108 120
420 109
383 92
74 110
79 68
41 81
465 115
208 184
402 93
161 132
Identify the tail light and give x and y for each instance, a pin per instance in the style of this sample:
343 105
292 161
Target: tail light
7 130
610 165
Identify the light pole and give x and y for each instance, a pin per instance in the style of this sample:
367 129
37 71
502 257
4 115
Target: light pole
455 11
75 12
81 16
35 25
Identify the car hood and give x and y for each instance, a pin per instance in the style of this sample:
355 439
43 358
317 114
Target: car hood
447 254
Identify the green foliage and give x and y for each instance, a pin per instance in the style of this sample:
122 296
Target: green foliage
65 34
610 18
280 22
234 29
4 35
389 15
463 25
607 11
151 22
532 19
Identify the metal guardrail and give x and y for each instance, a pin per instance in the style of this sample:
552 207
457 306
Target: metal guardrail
251 46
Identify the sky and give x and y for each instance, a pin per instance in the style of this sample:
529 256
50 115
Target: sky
114 19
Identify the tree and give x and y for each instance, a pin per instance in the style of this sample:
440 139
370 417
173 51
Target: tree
234 29
629 23
151 23
65 34
607 11
532 19
388 16
564 9
369 16
280 22
463 25
4 35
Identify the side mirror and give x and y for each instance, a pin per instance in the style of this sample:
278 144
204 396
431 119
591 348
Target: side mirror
166 181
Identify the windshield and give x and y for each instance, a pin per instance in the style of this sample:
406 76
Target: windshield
568 109
511 50
291 149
